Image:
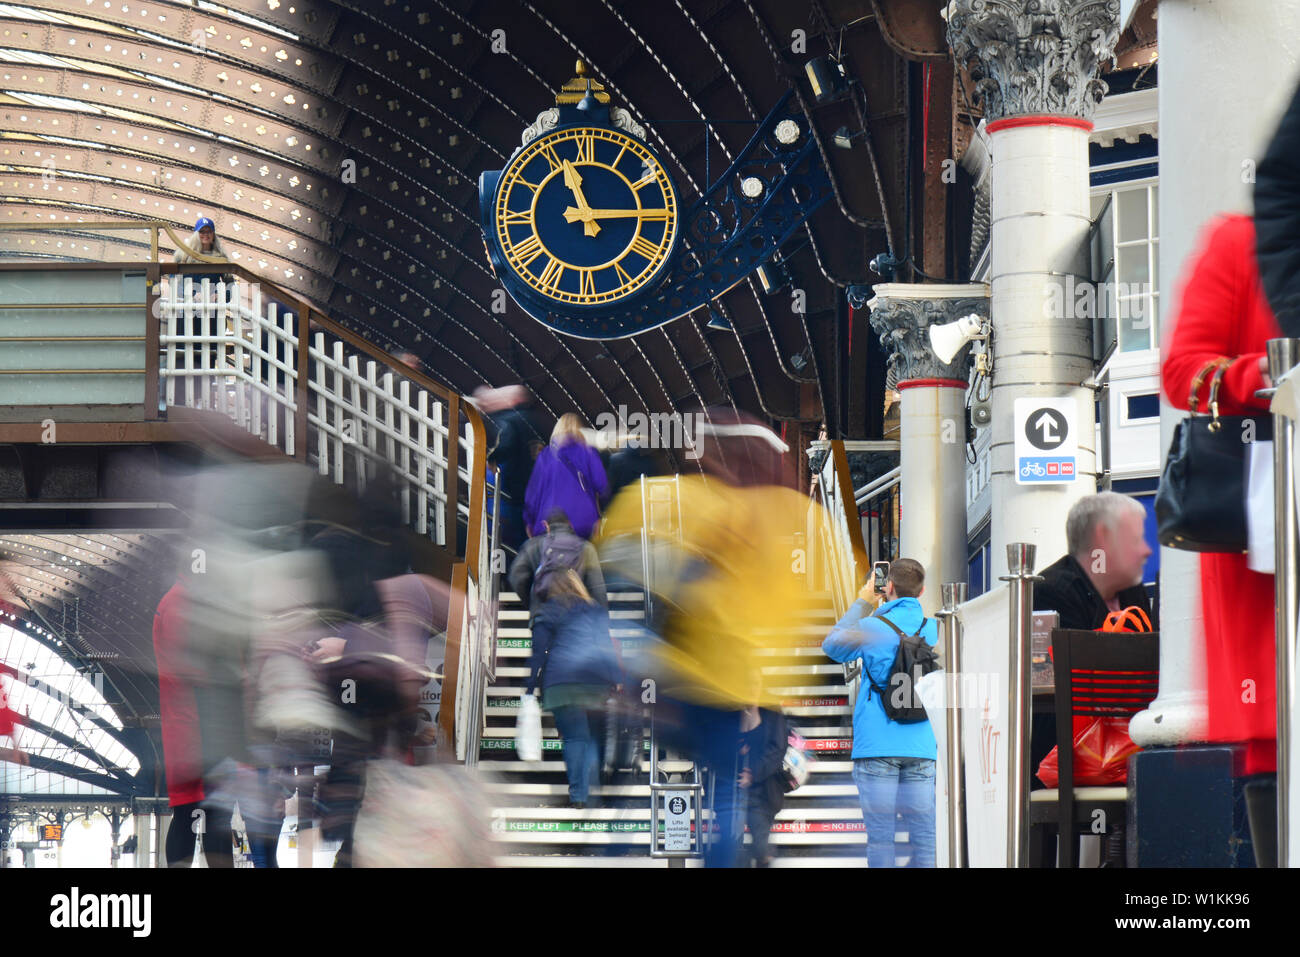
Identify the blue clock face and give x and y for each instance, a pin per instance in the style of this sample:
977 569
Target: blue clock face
586 217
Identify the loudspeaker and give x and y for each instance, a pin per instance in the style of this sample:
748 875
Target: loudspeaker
947 339
981 413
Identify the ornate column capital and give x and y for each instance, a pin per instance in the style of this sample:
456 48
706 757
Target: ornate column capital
1034 56
902 313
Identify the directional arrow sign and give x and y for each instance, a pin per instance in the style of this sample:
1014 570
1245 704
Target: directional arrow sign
1046 429
1047 441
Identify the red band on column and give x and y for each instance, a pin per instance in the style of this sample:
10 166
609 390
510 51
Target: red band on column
1043 119
932 383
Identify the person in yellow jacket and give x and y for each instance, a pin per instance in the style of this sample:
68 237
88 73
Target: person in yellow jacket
729 584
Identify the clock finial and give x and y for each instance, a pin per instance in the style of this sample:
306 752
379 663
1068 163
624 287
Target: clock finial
580 86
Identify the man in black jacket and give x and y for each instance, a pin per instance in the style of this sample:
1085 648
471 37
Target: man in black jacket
1277 220
1102 571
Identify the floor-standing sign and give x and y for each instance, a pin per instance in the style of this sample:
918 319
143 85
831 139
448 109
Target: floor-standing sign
1047 441
677 820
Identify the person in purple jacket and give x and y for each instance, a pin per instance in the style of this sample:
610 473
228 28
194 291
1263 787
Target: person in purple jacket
568 476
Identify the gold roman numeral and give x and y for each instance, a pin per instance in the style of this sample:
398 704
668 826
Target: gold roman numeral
551 275
548 153
643 247
586 282
654 215
586 149
528 250
644 181
524 218
624 278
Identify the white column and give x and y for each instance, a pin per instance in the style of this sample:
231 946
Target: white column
1227 70
1038 238
143 839
1035 67
932 424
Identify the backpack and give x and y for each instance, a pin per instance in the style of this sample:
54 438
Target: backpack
561 551
915 659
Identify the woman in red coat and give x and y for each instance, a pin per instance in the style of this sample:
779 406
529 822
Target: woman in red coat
1222 313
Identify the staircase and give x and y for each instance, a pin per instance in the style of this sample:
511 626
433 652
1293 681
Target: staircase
820 825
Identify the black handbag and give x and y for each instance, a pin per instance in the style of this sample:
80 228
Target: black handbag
1201 503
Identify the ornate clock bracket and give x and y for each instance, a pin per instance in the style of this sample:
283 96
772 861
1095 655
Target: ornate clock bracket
774 185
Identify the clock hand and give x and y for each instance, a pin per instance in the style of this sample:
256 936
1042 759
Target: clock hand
573 180
587 213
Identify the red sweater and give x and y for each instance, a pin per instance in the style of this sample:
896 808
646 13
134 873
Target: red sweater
1221 311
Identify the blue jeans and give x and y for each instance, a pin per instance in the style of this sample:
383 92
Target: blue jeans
581 752
890 788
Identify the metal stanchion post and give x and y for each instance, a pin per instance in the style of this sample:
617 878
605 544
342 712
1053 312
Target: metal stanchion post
954 594
1283 355
1020 564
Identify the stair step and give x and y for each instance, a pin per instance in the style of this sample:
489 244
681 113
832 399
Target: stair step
491 737
532 789
564 860
846 813
511 706
510 597
834 670
814 695
526 634
521 614
637 833
559 860
821 766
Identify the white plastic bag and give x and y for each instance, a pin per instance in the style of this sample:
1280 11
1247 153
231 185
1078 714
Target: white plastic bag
431 816
528 729
1260 517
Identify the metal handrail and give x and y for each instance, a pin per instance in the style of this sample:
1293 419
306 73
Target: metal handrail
878 485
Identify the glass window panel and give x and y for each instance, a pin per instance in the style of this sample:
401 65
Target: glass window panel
1155 210
1134 323
1132 214
1133 265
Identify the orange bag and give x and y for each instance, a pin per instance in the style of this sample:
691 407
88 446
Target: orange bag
1101 745
1101 750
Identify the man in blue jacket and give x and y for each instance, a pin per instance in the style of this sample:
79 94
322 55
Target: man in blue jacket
893 764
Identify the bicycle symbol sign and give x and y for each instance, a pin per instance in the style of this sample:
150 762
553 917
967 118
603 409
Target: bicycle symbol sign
1047 440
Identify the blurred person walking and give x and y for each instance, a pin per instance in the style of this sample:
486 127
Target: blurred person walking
556 548
763 735
518 442
1222 317
567 475
9 721
1277 220
893 762
575 664
178 674
729 588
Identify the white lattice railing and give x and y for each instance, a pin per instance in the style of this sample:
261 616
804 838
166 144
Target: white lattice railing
225 348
